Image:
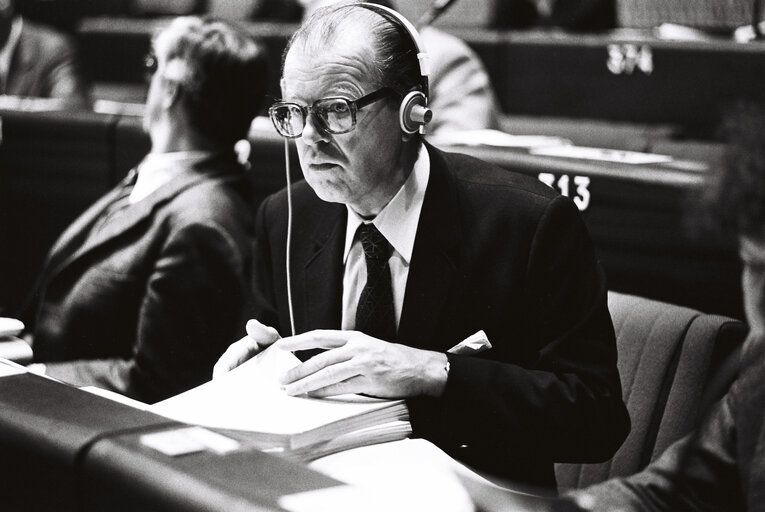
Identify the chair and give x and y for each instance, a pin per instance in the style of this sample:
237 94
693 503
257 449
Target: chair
668 355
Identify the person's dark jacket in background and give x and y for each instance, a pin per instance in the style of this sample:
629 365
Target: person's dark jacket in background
45 65
720 466
147 305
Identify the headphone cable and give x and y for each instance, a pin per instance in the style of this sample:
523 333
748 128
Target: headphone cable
289 232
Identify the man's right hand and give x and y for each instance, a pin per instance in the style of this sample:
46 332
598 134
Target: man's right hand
258 337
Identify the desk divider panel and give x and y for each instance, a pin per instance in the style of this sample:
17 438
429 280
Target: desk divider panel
65 449
46 429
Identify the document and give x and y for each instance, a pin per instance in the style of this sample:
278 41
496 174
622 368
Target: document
251 400
495 138
602 154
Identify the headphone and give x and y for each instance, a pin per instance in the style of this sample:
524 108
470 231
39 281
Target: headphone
414 113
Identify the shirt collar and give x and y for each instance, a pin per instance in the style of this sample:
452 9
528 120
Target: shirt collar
6 52
398 220
157 169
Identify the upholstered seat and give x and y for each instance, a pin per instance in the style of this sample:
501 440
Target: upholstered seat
668 356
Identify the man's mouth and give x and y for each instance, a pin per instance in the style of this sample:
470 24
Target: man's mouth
322 166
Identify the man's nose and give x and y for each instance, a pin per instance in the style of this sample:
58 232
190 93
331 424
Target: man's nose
313 131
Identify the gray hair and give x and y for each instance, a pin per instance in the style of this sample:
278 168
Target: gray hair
225 75
395 53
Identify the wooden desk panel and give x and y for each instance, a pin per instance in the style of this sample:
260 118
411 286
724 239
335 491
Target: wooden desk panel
568 75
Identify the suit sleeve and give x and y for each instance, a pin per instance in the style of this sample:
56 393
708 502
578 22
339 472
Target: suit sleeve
564 403
190 312
698 472
264 299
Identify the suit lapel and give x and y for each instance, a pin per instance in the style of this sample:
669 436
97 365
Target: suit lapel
432 270
74 235
322 306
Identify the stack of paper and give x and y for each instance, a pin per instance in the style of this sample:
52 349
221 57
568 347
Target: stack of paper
250 404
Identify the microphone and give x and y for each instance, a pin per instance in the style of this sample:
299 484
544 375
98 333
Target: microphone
437 8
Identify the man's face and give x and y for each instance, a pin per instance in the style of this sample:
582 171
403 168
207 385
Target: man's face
161 83
360 168
153 108
752 252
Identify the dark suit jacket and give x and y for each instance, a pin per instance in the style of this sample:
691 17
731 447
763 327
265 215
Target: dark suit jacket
497 251
720 466
148 305
45 65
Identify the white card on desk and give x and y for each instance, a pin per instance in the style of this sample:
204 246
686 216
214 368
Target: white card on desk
182 441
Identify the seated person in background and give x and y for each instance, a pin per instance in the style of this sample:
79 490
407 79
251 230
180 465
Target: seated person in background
461 95
401 251
580 15
144 291
38 62
721 465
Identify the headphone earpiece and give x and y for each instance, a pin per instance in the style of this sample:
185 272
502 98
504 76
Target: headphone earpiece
414 112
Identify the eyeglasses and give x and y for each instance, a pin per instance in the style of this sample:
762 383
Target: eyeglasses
334 115
150 64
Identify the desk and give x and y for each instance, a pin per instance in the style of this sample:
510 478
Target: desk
66 449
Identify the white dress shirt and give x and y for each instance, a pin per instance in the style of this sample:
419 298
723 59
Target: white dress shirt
157 169
397 222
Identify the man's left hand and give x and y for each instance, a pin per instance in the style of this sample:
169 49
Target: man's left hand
356 363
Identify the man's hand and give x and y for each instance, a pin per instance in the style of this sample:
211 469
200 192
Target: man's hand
357 363
258 338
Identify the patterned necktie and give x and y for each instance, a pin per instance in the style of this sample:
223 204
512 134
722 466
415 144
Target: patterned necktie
375 315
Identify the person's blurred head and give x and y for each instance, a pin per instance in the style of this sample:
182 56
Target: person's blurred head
210 77
736 198
7 12
347 51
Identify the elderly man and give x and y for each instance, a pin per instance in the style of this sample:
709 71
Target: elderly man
145 290
401 251
721 465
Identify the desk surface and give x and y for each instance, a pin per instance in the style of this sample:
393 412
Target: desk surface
84 452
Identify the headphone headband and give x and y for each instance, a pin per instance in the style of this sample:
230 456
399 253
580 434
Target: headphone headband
397 19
